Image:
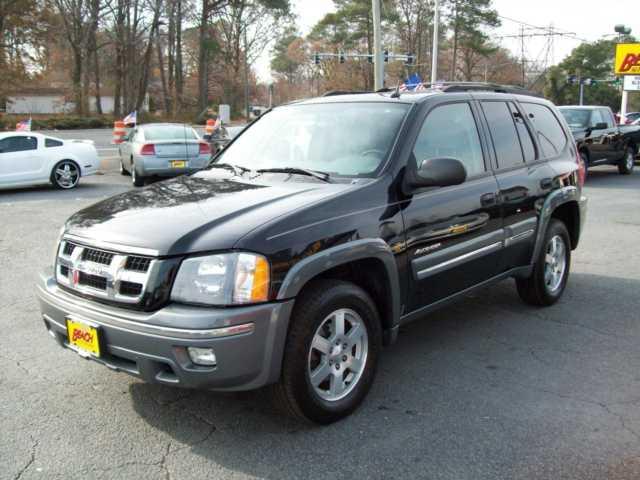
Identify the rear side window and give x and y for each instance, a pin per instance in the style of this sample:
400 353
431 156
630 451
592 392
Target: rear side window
50 142
548 129
524 135
18 144
596 118
503 132
451 131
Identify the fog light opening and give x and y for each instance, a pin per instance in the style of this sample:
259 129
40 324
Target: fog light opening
202 356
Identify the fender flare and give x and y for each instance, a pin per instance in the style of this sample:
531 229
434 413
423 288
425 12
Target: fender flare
553 201
308 268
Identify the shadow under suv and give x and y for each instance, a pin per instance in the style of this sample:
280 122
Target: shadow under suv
314 235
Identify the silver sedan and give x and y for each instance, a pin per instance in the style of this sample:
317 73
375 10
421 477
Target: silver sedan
162 150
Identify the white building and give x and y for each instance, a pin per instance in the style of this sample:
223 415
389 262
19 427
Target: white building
50 101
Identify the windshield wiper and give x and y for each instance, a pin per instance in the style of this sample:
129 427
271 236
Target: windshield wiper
228 166
298 171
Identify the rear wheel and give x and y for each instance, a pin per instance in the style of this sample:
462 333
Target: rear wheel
625 167
137 180
331 352
65 175
551 270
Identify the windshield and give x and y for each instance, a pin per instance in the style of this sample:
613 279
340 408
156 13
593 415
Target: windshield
169 132
349 139
576 117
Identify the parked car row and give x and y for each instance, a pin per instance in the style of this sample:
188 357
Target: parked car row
329 223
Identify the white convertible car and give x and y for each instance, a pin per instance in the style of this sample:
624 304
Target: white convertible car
28 158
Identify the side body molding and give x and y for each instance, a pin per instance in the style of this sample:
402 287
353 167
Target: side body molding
312 266
554 200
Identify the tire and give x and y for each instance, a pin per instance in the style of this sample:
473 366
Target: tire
137 180
316 312
625 167
543 288
123 171
65 175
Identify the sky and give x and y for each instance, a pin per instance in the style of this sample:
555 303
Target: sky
586 19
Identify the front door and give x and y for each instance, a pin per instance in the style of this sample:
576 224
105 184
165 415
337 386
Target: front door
20 160
453 234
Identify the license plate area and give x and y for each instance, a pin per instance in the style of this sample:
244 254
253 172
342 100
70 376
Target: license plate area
83 337
178 163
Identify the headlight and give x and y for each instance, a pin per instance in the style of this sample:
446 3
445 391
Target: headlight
225 279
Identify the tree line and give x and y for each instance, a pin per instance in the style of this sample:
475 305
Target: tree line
185 55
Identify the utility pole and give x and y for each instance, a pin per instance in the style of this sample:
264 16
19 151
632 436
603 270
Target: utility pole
378 63
246 75
436 35
524 62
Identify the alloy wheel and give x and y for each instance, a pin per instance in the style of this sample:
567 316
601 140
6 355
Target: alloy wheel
67 174
338 354
555 263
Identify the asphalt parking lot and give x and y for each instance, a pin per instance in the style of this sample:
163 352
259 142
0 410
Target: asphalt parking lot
487 388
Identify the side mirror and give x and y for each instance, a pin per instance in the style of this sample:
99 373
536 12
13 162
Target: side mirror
600 126
437 172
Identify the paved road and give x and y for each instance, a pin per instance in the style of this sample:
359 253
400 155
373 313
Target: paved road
485 389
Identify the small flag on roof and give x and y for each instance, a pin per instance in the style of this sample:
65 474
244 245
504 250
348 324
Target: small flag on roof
23 126
413 83
132 118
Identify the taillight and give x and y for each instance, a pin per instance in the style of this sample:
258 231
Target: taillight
148 149
205 148
582 169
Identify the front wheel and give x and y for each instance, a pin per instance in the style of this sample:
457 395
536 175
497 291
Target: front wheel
551 270
625 167
331 352
65 175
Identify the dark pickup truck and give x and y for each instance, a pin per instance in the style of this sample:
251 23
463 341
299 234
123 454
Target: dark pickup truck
600 141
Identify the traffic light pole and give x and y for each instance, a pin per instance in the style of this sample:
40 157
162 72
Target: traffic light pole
378 63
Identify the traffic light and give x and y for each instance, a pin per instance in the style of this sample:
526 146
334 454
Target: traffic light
590 81
572 79
316 58
341 57
410 59
386 56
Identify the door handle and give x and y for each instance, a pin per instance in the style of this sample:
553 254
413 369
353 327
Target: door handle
546 183
488 199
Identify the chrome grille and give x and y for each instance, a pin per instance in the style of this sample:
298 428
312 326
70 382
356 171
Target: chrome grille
97 256
103 274
137 264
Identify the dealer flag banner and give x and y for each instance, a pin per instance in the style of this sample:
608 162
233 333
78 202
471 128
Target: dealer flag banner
627 59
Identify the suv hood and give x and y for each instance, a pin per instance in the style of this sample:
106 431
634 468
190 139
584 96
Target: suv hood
210 210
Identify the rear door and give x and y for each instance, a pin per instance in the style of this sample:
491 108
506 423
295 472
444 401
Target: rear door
524 178
453 234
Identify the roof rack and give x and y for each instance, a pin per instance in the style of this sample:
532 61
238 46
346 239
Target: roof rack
482 87
333 93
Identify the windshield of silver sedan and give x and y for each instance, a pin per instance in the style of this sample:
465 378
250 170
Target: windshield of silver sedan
341 139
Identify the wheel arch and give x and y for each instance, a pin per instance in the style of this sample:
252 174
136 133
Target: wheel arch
368 263
567 205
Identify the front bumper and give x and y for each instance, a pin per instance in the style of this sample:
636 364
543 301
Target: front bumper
152 345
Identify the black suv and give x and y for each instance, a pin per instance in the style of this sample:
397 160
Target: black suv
322 228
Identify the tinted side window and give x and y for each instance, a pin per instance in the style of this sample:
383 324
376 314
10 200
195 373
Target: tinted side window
18 144
504 134
451 131
607 118
548 129
596 118
526 142
50 142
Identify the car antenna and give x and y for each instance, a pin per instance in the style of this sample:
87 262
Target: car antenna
396 93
